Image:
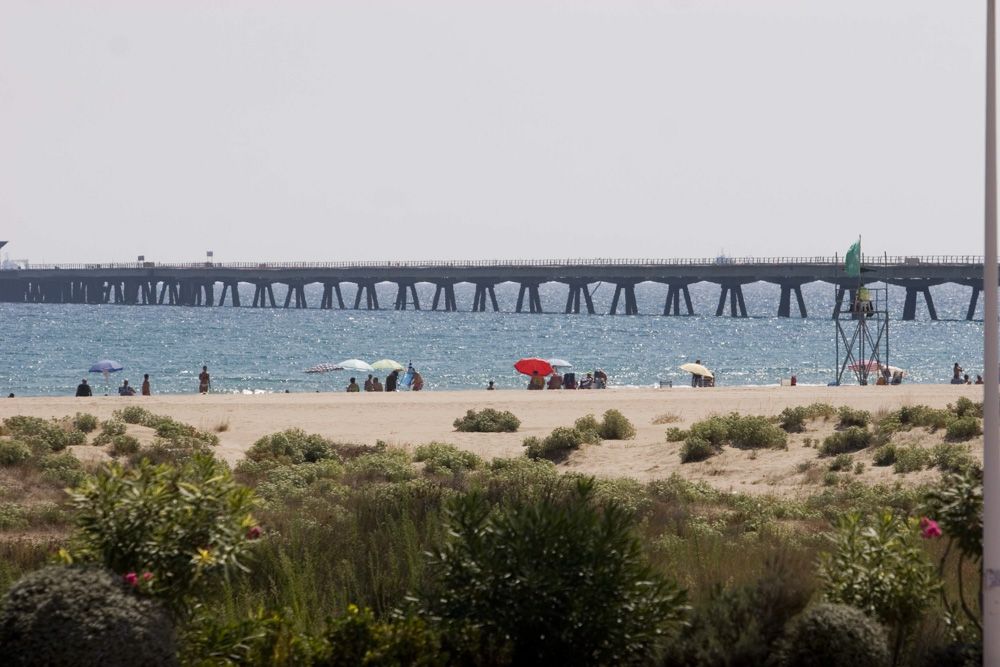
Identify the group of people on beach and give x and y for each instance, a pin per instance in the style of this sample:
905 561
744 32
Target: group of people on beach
596 380
959 376
125 389
416 382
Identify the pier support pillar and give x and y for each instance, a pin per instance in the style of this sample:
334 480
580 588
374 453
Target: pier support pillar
534 299
785 302
329 289
973 302
737 307
298 291
263 293
366 290
231 287
627 290
573 298
479 300
447 290
673 302
406 294
910 301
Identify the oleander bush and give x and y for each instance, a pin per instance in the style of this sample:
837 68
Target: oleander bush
201 531
82 617
510 583
833 635
842 442
85 422
439 457
488 420
848 417
963 428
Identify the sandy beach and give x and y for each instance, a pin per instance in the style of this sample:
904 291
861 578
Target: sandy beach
408 419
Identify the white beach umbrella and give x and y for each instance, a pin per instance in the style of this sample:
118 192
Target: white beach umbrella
356 365
697 369
387 365
559 363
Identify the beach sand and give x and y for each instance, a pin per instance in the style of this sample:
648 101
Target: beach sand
408 419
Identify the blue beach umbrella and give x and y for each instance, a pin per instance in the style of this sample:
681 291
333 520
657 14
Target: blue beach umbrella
106 366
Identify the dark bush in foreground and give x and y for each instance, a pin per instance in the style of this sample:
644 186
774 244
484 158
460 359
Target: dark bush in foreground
834 635
556 580
488 420
843 442
80 617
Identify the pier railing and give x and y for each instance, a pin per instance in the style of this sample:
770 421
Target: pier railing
880 260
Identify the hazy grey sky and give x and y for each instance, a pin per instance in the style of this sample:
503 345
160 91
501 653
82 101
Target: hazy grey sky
368 129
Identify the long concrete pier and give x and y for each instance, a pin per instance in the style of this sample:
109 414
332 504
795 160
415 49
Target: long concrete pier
149 283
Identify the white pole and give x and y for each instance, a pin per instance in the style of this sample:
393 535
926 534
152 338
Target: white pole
991 368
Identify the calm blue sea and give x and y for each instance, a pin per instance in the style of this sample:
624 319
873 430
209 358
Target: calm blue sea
46 349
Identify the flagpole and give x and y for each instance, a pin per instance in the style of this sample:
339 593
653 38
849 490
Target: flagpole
991 368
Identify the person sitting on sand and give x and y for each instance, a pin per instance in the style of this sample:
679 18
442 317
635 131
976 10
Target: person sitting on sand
587 382
204 381
369 385
418 382
145 385
897 377
536 382
555 380
125 389
353 386
377 384
83 389
600 379
881 381
569 381
490 387
966 380
979 379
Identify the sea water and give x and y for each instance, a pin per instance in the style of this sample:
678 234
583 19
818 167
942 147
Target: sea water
46 348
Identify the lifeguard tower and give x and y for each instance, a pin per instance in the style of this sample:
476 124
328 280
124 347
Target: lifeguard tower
862 321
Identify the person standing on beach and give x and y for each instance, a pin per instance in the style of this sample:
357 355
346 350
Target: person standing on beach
956 374
83 389
490 386
391 380
204 381
696 380
145 385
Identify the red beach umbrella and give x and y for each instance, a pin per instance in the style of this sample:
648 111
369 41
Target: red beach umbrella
531 365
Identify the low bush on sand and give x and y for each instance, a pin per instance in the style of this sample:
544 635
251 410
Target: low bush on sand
853 439
488 420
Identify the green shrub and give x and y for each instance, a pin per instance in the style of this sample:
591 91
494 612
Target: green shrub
842 442
177 451
588 424
439 457
487 420
833 635
13 452
113 427
12 515
124 445
37 432
85 422
963 407
261 639
964 428
755 433
82 617
952 458
849 417
516 578
911 459
391 465
557 445
793 420
714 429
292 446
884 455
841 462
616 426
823 411
877 566
357 638
697 449
200 531
675 434
134 414
63 469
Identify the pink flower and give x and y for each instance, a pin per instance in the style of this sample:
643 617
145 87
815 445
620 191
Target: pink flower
929 528
131 579
147 576
253 533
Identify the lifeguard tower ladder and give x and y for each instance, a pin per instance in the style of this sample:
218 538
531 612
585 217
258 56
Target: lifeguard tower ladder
862 331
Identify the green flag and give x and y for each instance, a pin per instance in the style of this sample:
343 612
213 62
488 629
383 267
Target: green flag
852 263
